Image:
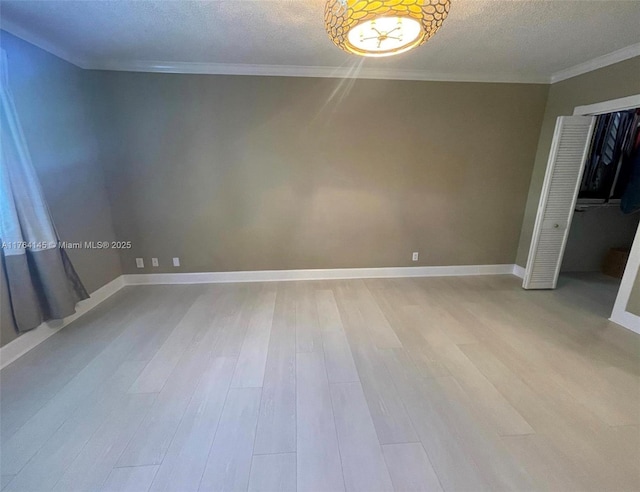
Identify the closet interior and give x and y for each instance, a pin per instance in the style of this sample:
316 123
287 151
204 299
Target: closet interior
607 210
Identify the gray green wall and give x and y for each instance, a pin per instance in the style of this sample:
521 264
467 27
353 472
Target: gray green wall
612 82
51 99
251 173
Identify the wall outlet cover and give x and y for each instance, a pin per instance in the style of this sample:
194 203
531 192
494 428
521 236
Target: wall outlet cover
154 262
176 262
414 257
139 263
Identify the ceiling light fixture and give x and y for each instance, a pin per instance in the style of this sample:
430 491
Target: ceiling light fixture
383 27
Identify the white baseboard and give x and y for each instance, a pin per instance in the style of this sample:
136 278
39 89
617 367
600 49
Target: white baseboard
25 342
518 271
31 339
21 345
627 320
325 274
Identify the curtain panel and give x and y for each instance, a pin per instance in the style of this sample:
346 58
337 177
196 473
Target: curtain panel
41 280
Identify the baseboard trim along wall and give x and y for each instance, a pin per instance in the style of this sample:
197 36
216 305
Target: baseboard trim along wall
25 342
21 345
518 271
325 274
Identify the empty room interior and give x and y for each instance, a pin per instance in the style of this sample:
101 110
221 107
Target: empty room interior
320 245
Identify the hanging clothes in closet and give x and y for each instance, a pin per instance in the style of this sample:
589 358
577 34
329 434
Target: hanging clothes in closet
608 166
630 202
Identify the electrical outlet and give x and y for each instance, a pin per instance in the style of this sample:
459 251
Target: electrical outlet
154 262
176 262
139 262
414 257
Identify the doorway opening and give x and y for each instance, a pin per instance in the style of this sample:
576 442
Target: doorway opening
604 220
589 211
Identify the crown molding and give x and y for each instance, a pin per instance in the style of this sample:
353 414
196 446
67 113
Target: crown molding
307 71
34 39
596 63
315 71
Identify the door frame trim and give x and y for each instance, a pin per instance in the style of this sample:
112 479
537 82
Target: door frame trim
619 314
621 104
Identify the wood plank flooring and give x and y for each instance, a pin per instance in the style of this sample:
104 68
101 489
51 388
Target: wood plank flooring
454 384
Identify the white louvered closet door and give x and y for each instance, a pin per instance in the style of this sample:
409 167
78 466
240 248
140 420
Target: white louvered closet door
571 141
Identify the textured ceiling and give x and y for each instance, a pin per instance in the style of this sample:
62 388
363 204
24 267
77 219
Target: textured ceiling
482 39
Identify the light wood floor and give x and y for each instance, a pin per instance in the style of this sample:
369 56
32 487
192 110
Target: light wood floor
412 384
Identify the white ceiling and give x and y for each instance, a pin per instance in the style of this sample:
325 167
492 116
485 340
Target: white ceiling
501 40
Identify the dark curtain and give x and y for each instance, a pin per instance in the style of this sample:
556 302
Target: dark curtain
41 281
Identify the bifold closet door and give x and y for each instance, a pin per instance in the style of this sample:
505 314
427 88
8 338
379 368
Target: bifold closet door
569 149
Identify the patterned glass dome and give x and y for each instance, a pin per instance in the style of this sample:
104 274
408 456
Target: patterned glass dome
383 27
